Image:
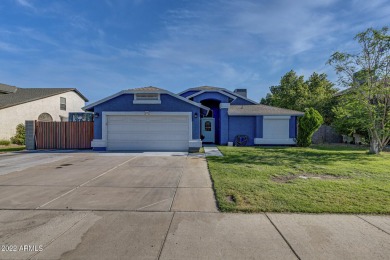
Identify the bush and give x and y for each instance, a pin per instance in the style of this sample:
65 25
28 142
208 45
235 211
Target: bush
20 137
308 124
5 142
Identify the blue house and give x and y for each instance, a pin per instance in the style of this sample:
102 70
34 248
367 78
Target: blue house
155 119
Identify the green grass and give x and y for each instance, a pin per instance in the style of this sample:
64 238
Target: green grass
5 142
11 148
254 179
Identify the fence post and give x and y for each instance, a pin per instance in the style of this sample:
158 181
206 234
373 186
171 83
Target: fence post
30 135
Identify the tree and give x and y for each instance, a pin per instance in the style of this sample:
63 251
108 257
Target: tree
20 137
297 94
308 124
366 103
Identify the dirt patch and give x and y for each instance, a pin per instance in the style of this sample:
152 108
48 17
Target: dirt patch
231 199
305 176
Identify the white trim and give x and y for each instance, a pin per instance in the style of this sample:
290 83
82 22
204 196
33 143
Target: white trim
187 90
140 91
138 99
224 105
207 91
103 100
155 102
288 141
138 113
276 117
98 143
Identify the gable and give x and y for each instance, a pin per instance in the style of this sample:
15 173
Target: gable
188 93
125 101
240 100
198 97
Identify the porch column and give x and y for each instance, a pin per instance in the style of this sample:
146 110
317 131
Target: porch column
224 123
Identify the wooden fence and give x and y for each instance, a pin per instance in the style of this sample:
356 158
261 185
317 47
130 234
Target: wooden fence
63 135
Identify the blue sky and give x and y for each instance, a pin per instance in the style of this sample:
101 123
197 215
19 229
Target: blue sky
103 46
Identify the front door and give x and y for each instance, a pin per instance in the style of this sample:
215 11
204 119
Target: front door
208 129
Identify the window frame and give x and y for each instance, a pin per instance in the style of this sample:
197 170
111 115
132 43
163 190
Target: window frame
63 103
155 99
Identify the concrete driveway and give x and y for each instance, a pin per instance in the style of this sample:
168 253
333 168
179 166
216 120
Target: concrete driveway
130 206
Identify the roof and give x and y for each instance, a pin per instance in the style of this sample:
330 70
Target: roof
203 89
147 89
253 110
150 89
5 89
24 95
215 91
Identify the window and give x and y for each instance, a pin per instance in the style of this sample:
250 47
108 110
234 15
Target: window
147 98
45 117
207 126
62 103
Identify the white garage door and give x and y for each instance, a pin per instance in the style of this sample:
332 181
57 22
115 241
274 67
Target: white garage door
148 132
276 130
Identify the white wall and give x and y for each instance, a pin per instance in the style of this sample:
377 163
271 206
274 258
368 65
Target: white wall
12 116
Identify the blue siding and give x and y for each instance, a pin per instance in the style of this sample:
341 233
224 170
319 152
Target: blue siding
293 127
259 127
224 123
211 95
242 125
168 104
189 93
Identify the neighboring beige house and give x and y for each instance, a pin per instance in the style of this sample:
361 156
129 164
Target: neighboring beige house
43 104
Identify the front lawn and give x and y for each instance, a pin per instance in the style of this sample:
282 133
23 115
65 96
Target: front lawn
333 179
11 148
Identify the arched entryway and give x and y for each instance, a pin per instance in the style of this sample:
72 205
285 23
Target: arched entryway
214 128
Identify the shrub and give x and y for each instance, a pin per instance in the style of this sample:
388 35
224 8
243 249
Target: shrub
308 124
20 137
5 142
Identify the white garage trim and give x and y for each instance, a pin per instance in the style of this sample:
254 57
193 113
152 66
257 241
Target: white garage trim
102 143
276 131
105 114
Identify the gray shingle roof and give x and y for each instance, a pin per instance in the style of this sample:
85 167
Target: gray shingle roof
253 110
24 95
148 89
205 88
5 89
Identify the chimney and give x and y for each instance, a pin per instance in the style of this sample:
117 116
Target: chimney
241 91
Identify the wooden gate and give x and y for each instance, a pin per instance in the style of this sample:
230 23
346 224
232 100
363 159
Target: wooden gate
63 135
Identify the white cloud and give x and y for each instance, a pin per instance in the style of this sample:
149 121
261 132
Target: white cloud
25 3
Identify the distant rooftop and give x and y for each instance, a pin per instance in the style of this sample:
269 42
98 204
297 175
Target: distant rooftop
12 96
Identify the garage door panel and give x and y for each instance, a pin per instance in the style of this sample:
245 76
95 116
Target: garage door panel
147 132
128 128
156 119
141 137
168 145
276 128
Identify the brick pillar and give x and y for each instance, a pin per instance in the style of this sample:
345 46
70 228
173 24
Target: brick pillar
30 135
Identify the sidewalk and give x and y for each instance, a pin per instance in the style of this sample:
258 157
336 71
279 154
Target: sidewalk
212 150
